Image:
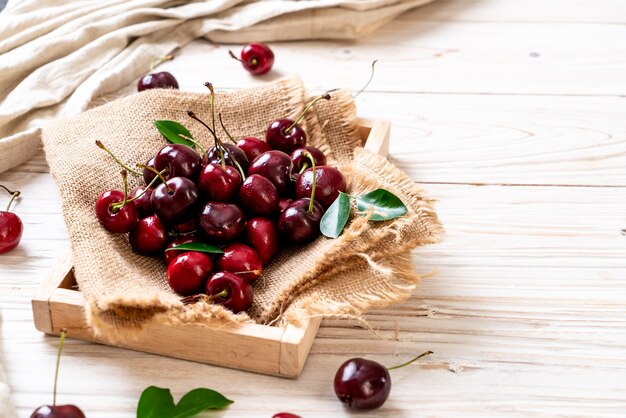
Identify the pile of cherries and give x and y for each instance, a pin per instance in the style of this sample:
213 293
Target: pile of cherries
241 201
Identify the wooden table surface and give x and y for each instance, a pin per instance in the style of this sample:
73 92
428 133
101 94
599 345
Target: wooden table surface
513 115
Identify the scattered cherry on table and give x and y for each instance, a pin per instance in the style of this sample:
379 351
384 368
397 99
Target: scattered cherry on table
158 80
11 227
256 58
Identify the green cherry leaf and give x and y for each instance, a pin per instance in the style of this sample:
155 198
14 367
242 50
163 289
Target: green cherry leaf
336 216
199 400
386 205
156 403
198 246
173 130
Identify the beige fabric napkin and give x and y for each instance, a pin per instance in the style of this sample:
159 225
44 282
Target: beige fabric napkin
57 55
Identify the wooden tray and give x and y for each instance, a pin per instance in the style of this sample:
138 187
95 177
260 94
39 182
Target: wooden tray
279 351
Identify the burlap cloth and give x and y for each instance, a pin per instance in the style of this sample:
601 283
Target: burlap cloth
367 266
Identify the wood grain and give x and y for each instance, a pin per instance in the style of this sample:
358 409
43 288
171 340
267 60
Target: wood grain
526 314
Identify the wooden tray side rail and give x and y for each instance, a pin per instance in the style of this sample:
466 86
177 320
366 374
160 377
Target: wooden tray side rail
279 351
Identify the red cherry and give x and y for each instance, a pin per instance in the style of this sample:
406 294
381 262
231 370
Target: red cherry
362 384
274 166
149 175
118 221
186 228
142 204
285 135
329 182
233 153
230 290
253 147
188 272
11 227
219 184
262 235
149 236
180 161
169 256
175 201
58 411
258 195
221 223
297 225
283 203
301 161
285 415
242 260
256 58
160 80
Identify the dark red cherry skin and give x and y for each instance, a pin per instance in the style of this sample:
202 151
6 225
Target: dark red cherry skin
219 184
233 153
121 221
285 415
149 236
178 205
188 273
239 297
11 229
160 80
143 204
180 161
300 159
238 258
257 58
258 196
58 411
186 228
297 226
148 175
221 223
262 235
329 182
280 139
169 256
274 166
362 384
253 147
283 203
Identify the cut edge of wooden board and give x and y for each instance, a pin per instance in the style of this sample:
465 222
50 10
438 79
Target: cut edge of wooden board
279 351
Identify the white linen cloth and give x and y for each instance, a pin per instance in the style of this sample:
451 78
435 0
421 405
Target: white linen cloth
57 55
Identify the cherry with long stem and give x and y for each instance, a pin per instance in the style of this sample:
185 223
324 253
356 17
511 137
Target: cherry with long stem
56 371
210 87
219 115
368 81
13 196
324 96
117 160
310 157
159 174
414 359
117 206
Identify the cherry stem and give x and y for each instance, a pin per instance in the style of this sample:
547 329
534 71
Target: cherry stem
304 167
158 173
410 361
56 371
368 81
221 294
13 196
125 183
219 115
124 166
218 143
159 60
324 96
193 141
233 56
210 87
257 272
232 157
310 157
117 206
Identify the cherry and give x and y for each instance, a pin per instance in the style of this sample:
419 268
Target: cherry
188 272
11 227
258 195
365 384
141 196
301 161
256 58
286 135
232 156
175 201
179 160
262 235
299 224
274 166
283 203
149 236
252 147
329 182
158 80
114 218
186 228
149 175
172 254
241 260
219 184
230 290
285 415
54 410
221 223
